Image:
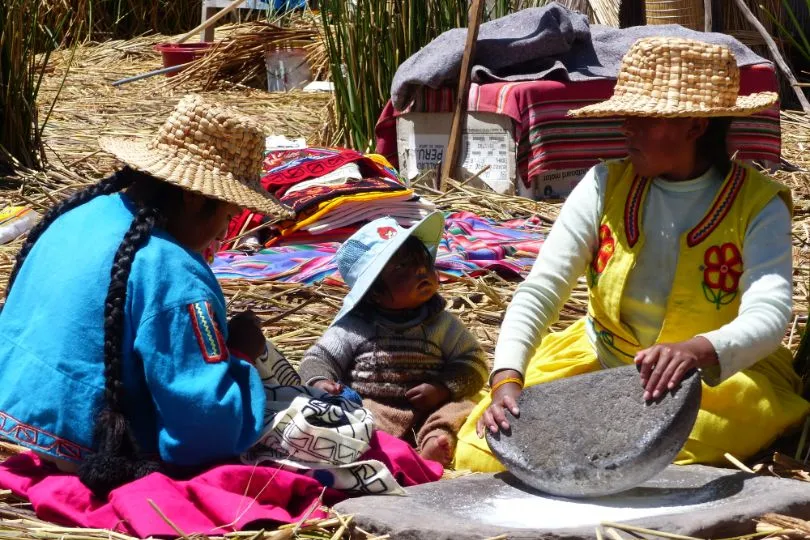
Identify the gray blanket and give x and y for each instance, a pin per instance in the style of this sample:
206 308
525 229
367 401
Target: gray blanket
550 42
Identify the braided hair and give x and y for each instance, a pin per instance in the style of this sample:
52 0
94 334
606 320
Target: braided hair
117 458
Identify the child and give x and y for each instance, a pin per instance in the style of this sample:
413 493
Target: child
413 363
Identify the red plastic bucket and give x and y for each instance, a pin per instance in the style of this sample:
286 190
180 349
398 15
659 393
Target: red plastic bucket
175 54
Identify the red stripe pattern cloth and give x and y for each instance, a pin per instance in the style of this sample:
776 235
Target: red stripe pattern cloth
548 140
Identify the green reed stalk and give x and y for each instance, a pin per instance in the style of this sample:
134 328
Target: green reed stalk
367 42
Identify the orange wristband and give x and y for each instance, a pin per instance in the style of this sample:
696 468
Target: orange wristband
505 381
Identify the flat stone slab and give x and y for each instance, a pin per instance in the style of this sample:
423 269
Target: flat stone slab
693 500
593 434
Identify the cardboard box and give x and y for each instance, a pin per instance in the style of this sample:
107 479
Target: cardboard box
555 184
488 139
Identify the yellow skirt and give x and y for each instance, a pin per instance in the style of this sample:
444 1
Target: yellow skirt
741 416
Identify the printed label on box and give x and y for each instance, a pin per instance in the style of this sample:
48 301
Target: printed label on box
422 140
556 184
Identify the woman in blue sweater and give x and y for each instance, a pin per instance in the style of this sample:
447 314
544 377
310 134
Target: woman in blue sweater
116 355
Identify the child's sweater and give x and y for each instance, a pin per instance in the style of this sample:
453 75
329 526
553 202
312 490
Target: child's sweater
383 359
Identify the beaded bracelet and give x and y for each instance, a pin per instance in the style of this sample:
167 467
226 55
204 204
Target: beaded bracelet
505 381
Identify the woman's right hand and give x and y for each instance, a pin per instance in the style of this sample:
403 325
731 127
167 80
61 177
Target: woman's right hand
504 398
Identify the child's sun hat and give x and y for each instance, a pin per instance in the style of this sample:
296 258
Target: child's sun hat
675 77
208 149
364 255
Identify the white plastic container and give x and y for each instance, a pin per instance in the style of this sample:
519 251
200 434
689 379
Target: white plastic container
287 69
14 221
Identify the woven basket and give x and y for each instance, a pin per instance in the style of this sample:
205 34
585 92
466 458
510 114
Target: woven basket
688 13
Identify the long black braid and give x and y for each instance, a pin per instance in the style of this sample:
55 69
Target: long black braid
116 460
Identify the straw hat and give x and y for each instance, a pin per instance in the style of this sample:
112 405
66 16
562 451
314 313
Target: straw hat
675 77
205 148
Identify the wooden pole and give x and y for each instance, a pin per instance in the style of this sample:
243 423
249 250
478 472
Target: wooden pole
707 15
450 160
150 74
777 56
210 22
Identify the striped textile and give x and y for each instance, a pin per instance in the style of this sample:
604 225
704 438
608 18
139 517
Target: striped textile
548 140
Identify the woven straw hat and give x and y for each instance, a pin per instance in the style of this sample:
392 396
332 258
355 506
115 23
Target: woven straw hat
205 148
675 77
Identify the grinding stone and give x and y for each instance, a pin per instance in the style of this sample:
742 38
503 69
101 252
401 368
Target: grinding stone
593 435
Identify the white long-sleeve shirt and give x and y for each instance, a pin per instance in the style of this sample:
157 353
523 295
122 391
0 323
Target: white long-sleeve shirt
671 209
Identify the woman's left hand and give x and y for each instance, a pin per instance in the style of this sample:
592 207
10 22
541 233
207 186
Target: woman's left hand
663 366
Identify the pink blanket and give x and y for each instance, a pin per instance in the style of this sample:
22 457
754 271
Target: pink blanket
224 499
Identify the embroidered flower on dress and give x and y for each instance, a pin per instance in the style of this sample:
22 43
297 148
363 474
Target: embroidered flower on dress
606 247
722 270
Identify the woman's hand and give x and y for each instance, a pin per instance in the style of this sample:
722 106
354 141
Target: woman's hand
504 398
663 366
245 335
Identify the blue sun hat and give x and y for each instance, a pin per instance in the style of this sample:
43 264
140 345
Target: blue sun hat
363 256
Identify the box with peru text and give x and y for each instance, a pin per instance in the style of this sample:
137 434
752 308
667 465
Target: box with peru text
487 140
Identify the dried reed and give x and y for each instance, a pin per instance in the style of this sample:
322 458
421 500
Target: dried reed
240 57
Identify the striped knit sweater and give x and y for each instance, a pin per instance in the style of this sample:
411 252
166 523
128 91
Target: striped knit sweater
382 359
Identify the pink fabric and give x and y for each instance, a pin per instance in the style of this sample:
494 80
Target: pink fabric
224 499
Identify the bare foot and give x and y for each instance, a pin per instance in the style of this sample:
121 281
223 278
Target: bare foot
438 448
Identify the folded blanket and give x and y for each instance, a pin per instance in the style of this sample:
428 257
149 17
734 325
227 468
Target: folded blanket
538 43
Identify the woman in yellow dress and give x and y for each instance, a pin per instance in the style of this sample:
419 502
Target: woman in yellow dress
687 256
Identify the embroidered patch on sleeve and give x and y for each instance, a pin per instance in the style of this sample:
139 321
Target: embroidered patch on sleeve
206 329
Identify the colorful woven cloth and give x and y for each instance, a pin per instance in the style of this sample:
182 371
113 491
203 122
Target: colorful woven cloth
317 183
471 245
548 140
289 167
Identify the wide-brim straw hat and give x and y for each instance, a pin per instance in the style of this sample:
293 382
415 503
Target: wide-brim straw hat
208 149
675 77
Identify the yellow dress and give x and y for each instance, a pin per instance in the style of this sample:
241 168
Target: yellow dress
742 414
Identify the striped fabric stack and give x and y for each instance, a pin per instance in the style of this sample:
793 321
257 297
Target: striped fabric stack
332 191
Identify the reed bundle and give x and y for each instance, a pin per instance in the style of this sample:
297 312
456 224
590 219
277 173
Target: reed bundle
240 57
22 37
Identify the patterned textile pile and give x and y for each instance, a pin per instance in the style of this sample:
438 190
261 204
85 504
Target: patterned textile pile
332 192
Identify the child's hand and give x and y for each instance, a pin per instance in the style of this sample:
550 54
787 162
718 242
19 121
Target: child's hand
428 396
245 335
662 367
329 386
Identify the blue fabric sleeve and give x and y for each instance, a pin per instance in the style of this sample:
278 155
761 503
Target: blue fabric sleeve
209 404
